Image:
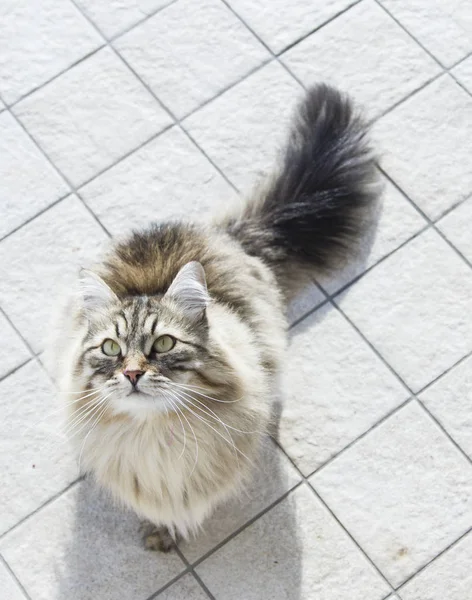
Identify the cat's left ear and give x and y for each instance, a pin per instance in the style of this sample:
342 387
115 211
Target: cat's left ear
189 290
96 294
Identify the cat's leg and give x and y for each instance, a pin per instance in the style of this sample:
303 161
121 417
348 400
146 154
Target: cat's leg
157 538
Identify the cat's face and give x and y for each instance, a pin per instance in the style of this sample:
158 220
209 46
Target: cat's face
143 354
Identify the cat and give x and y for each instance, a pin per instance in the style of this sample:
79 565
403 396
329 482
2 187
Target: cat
168 358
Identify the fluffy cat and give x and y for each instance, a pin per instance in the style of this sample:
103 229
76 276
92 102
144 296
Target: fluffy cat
169 357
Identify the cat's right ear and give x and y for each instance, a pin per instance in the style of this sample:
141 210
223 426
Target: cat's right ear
96 294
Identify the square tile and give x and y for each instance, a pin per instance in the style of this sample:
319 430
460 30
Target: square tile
167 178
404 492
341 54
334 389
450 401
36 463
280 23
8 585
186 588
415 308
296 550
29 182
456 227
273 477
40 261
114 16
14 351
37 44
449 576
426 144
445 29
395 222
305 302
75 118
463 72
243 128
80 547
191 51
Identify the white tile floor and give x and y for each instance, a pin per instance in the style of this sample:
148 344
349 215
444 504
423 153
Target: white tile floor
117 112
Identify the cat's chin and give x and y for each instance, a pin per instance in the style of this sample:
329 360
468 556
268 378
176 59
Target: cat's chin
139 404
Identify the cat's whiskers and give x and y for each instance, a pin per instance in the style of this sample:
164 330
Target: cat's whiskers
177 409
218 417
187 399
231 443
95 424
196 388
183 429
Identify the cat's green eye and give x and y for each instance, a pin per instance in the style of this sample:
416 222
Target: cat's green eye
164 343
111 348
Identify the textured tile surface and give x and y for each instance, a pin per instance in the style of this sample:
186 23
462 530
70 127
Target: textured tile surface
14 351
45 255
335 388
115 16
185 71
450 399
232 71
273 477
36 464
426 143
445 29
415 308
463 72
404 492
449 576
29 182
134 193
456 227
8 585
280 24
93 115
341 54
296 550
84 532
237 129
38 42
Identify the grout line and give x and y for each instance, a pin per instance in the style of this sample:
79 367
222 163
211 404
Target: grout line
425 49
306 482
425 566
17 368
236 532
25 341
451 368
353 539
172 116
41 506
58 171
38 214
54 77
354 442
169 584
433 224
140 22
14 576
203 586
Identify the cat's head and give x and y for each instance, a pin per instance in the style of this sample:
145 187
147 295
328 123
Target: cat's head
144 353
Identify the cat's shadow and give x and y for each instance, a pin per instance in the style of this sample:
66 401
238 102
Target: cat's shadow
104 557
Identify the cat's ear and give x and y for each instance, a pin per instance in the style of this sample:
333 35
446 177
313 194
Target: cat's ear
96 294
189 290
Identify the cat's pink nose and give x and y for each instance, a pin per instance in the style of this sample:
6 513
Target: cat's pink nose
133 376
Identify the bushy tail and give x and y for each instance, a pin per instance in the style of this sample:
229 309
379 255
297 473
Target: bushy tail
312 213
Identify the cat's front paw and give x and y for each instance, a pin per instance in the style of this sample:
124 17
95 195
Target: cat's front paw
157 539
